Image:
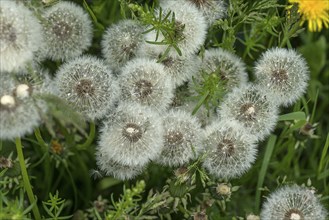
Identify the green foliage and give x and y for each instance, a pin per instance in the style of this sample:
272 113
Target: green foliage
54 206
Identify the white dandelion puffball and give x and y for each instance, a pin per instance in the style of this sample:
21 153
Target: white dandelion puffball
121 42
132 136
182 139
293 203
88 85
251 107
230 151
18 115
204 116
227 66
38 79
118 170
37 83
67 31
212 9
146 82
285 73
20 35
191 29
180 69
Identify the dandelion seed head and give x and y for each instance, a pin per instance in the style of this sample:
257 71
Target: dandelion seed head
212 10
230 151
250 106
182 138
20 35
132 135
121 42
144 81
68 31
18 117
191 29
284 72
226 66
293 203
116 169
37 79
88 85
179 69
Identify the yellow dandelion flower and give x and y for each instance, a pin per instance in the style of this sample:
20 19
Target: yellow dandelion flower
316 12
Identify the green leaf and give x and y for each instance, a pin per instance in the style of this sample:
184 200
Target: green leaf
315 55
201 101
292 116
267 157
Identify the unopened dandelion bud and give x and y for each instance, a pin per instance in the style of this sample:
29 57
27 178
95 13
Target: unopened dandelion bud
6 163
252 217
223 189
202 215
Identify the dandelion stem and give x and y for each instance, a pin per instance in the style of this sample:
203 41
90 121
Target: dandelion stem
26 180
91 136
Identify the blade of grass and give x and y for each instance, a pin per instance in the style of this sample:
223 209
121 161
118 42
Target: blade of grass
314 106
323 155
268 153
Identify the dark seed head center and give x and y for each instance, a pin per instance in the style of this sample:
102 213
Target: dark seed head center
199 3
62 30
143 88
84 88
7 32
248 111
132 132
226 146
174 137
168 62
279 76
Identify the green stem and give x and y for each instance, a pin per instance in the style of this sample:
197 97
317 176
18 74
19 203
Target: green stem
91 136
40 140
26 181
